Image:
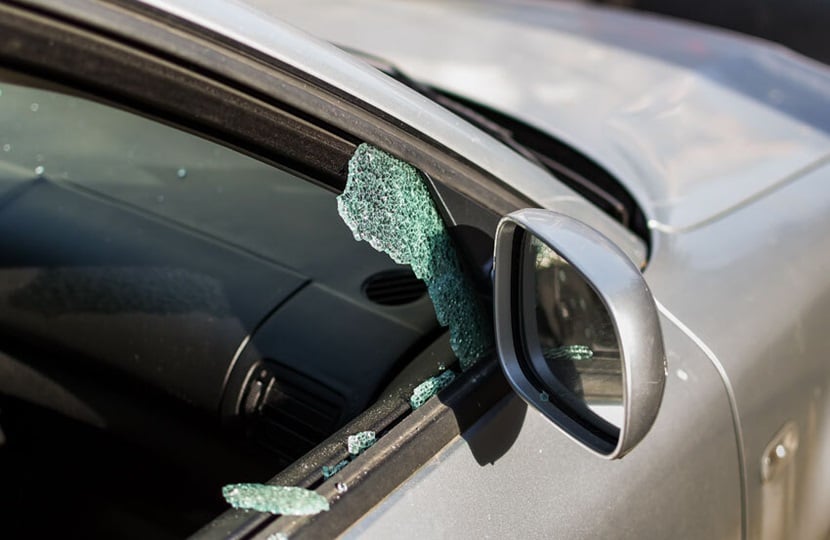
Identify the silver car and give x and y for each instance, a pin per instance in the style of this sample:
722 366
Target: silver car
588 296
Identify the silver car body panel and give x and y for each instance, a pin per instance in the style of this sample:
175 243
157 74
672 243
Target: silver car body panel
755 288
694 122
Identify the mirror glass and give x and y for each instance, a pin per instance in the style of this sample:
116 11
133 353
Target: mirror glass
572 340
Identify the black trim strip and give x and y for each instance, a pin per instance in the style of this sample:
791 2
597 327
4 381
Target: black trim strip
104 70
400 453
406 440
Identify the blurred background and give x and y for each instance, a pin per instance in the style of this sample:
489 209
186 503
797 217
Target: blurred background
801 25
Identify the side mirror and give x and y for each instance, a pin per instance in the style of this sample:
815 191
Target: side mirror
577 330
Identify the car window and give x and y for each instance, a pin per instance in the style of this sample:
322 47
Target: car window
179 311
181 178
153 250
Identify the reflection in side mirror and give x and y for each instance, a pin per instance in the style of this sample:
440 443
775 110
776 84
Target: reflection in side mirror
571 336
577 330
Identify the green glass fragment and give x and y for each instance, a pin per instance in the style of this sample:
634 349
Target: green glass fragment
387 204
285 500
328 472
570 352
359 442
429 388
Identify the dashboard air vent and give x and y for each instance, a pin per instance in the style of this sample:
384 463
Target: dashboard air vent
394 287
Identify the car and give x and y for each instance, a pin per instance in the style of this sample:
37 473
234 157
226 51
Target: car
589 296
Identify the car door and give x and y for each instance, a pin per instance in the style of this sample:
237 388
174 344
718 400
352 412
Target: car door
475 462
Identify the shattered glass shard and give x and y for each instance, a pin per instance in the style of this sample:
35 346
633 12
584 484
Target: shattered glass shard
288 501
387 204
429 388
569 352
328 472
359 442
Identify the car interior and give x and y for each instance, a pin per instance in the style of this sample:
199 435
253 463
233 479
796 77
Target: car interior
175 316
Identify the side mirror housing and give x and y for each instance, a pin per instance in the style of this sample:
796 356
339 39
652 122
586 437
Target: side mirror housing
577 330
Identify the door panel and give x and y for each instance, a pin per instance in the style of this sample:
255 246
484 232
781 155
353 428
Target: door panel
682 481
